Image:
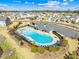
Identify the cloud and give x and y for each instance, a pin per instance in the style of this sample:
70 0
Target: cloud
33 2
65 3
3 5
50 4
26 2
64 0
30 3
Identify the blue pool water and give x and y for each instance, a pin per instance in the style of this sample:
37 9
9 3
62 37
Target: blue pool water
37 37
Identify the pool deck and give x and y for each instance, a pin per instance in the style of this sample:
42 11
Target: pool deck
55 39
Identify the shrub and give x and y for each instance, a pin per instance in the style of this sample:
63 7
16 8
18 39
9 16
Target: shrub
51 48
61 40
78 39
37 49
57 34
12 31
34 49
21 43
64 43
15 27
41 50
54 49
57 48
17 37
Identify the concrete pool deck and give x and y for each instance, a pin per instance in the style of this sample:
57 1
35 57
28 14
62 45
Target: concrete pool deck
55 39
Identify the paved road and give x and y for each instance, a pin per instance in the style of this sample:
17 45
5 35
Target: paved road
61 29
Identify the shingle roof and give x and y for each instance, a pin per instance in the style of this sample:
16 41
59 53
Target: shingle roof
3 18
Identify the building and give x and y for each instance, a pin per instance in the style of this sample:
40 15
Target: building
77 20
4 21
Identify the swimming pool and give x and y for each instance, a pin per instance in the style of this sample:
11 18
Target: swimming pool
34 36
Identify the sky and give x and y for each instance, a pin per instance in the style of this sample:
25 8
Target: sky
39 4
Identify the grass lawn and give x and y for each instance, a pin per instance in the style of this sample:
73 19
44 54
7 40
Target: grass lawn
73 44
20 53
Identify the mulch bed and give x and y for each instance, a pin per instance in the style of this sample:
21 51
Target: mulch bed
52 55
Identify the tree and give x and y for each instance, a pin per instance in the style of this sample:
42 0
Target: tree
78 39
70 56
76 11
15 27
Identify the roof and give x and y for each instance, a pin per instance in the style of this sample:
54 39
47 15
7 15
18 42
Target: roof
3 18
